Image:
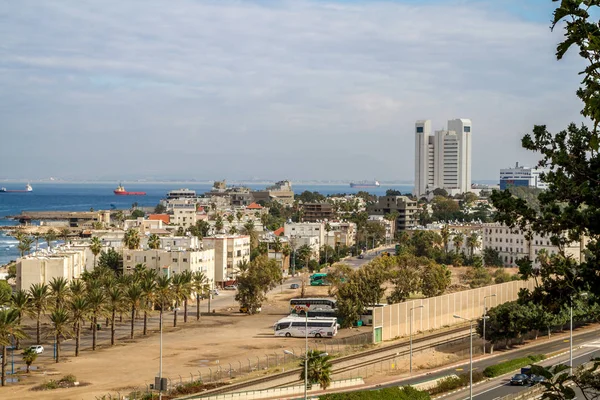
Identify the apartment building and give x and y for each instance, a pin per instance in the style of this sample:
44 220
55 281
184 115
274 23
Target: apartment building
281 191
43 266
404 206
171 261
144 226
180 242
443 160
465 232
313 212
390 226
342 233
184 215
512 244
229 251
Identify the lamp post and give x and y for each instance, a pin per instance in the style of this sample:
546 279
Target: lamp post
470 354
484 318
162 307
305 358
410 334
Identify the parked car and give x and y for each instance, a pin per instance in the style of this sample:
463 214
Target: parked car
361 256
230 287
519 379
214 292
294 286
39 349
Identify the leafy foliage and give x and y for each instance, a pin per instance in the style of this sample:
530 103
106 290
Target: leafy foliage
319 368
111 259
393 393
436 278
255 281
511 365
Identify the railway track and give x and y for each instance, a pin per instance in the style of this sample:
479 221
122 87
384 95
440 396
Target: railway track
369 353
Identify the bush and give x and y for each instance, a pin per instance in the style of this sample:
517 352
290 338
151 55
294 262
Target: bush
511 365
52 384
454 382
68 379
395 393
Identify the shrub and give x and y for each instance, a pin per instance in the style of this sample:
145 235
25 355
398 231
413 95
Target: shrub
511 365
52 384
68 379
394 393
454 382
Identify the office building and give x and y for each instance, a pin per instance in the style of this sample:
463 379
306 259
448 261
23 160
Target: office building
522 176
443 160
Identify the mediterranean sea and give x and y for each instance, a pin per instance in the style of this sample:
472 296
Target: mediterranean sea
99 196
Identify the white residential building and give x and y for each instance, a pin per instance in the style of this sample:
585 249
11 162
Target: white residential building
443 160
342 233
512 244
184 215
171 261
180 243
229 251
144 226
522 176
42 267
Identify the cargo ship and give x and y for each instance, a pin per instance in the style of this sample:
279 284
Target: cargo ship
120 191
364 184
28 188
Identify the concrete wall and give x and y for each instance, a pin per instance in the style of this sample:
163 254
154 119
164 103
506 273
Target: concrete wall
438 311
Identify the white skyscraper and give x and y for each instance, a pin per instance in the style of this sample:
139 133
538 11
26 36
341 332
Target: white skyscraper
443 160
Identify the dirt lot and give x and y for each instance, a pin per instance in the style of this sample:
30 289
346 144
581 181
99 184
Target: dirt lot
225 337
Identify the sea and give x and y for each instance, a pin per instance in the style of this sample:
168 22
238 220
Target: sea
59 196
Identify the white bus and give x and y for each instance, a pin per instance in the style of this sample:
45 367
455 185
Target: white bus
296 327
300 306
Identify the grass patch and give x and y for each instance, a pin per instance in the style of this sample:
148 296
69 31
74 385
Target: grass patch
66 381
500 369
455 382
394 393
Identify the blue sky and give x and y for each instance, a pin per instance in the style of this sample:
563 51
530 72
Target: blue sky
274 89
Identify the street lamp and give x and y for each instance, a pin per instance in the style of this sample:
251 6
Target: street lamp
305 358
470 354
583 294
410 335
484 318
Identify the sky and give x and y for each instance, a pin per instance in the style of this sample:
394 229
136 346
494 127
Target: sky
299 90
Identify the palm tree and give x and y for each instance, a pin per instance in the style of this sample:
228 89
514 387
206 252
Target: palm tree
285 252
37 236
163 294
21 301
233 230
62 327
319 368
328 229
114 303
154 241
458 241
59 290
95 247
472 242
148 286
64 234
134 296
29 357
95 298
79 307
445 233
77 287
277 246
50 236
230 219
200 286
24 245
179 292
249 229
239 215
39 293
9 328
132 239
219 223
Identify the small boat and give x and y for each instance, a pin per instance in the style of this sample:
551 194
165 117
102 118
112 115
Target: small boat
28 188
120 191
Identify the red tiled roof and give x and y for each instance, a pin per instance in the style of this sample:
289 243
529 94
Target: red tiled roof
279 232
254 206
160 217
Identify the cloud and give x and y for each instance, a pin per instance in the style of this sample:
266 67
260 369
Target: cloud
296 89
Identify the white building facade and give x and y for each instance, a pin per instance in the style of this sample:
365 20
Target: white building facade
522 176
171 261
443 160
42 267
229 251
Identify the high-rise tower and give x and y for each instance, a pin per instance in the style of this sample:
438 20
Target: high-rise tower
443 160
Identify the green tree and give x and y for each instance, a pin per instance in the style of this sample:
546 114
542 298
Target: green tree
405 278
135 214
61 327
506 322
477 276
111 260
491 257
444 209
131 240
21 302
24 245
458 240
319 368
200 287
254 282
445 234
39 293
5 292
163 295
59 291
96 299
95 247
160 209
435 279
219 224
9 328
29 357
64 234
36 236
115 299
472 242
277 247
78 307
148 286
50 236
154 241
133 296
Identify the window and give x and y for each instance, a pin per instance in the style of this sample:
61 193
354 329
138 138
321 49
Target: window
467 129
128 258
174 260
185 260
419 129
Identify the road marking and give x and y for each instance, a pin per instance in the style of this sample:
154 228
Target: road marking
595 343
459 369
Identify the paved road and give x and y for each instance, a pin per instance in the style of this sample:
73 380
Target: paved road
498 388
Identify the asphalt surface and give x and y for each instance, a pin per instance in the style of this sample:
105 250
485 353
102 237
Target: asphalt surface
501 387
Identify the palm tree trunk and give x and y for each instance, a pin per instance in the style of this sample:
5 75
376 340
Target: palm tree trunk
94 327
112 327
77 338
3 365
145 322
121 317
57 348
37 328
132 319
174 318
185 310
197 307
